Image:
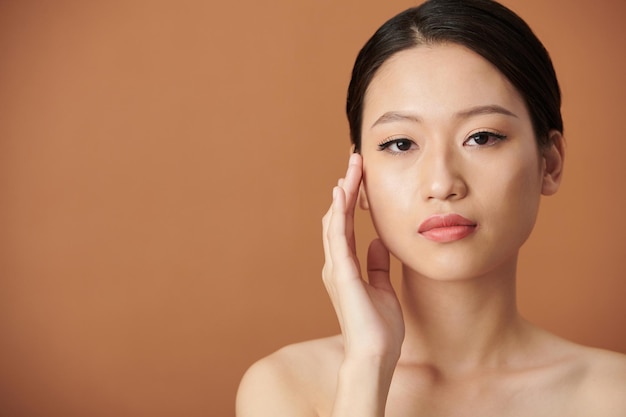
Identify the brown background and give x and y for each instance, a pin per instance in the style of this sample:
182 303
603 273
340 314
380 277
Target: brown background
164 167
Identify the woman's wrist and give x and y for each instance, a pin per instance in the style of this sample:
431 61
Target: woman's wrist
363 386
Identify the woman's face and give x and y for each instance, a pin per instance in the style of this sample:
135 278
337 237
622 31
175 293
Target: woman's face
452 172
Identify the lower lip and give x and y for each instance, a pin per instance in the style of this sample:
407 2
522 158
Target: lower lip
448 234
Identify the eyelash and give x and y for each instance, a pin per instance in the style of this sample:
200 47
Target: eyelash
498 136
385 144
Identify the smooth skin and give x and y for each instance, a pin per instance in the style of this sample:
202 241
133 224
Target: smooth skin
443 132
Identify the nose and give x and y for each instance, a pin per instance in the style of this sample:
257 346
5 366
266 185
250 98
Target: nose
441 174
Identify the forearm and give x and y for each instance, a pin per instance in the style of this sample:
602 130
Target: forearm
363 387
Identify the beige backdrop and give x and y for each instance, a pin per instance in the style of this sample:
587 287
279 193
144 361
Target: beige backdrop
164 167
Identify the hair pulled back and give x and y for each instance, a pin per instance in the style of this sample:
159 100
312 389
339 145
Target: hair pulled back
483 26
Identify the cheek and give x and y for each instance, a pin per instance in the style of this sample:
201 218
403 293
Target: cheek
388 191
526 183
518 195
392 203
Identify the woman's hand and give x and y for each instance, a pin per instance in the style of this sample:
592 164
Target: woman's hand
368 311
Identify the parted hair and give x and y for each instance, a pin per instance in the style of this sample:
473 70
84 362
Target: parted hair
484 26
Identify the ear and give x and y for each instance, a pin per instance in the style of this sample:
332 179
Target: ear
553 158
363 202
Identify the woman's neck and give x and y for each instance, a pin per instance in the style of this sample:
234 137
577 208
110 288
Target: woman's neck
460 326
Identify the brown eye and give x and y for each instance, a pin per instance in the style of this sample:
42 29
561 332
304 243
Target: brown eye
397 145
484 139
403 145
481 138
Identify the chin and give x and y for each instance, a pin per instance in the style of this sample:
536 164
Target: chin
460 268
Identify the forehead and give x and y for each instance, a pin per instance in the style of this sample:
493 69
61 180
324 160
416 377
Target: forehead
436 82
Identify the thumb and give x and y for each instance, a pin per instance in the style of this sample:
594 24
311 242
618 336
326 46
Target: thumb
378 266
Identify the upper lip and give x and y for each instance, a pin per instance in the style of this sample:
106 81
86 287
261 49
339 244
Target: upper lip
444 220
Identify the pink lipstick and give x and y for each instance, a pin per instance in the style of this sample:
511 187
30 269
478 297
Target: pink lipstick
444 228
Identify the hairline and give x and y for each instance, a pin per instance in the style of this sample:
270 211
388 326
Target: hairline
420 40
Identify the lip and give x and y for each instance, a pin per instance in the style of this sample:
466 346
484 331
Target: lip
445 228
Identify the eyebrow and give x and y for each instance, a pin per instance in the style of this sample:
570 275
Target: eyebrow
394 116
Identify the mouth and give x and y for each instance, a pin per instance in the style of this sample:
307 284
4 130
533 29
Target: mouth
445 228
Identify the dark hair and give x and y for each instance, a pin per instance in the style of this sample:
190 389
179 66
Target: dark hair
483 26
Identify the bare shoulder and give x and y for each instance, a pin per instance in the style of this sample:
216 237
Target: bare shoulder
295 380
575 380
603 386
593 379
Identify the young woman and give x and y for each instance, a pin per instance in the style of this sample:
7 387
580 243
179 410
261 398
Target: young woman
454 110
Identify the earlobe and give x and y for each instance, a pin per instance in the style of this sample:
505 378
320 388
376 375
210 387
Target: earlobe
553 158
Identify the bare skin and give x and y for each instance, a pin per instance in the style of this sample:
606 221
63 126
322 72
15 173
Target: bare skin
443 133
299 380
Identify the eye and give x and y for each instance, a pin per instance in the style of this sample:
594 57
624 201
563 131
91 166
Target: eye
484 138
396 146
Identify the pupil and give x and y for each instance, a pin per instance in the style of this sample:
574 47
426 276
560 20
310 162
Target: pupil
404 145
482 138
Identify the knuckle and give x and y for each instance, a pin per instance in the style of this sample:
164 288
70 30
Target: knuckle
326 216
326 223
327 270
328 234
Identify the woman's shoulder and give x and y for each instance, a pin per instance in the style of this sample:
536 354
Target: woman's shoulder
296 379
582 380
593 378
604 362
604 380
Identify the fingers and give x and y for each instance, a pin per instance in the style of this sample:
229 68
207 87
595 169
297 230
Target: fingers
378 266
336 232
338 223
352 180
337 263
350 185
368 312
